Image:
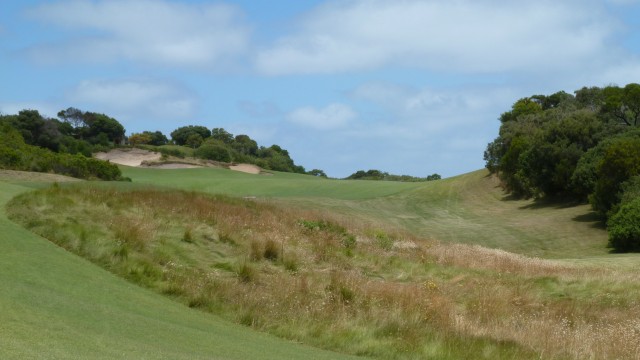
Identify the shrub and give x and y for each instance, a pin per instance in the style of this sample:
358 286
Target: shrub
213 152
624 227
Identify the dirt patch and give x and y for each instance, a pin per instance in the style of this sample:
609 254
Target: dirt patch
129 157
246 168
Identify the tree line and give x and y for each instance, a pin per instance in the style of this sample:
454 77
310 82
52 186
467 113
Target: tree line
78 132
583 146
385 176
220 145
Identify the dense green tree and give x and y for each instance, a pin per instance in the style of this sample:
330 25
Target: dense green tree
590 98
222 135
624 227
243 144
524 106
623 104
181 134
621 162
194 140
100 126
157 138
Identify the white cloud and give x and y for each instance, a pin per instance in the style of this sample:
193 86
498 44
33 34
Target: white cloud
155 32
330 117
147 98
463 36
259 109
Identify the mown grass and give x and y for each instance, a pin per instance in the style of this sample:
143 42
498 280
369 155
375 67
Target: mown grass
55 305
278 185
341 283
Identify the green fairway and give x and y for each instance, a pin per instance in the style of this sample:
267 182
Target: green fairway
56 305
222 181
469 208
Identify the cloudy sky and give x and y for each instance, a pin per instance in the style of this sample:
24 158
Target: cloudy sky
404 86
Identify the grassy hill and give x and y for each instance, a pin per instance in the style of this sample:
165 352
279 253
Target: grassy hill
56 305
408 287
470 208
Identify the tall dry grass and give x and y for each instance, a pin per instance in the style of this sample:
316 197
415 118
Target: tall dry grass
336 283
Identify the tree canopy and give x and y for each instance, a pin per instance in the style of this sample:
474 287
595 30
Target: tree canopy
582 146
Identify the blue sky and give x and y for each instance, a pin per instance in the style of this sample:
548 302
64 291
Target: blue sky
404 86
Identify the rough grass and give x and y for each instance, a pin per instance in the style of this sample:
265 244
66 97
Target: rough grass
342 284
470 208
55 305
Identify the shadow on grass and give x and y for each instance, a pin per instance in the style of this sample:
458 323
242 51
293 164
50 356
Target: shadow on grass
597 222
551 203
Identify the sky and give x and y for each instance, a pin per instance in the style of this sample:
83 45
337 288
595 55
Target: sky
403 86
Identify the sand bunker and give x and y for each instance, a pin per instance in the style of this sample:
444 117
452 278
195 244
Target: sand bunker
246 168
129 157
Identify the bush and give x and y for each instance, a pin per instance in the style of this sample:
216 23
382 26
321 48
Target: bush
213 152
624 227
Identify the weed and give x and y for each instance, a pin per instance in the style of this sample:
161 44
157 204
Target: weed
290 263
255 250
271 250
246 273
188 236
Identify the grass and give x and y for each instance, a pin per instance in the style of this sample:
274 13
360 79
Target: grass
58 305
470 208
384 269
278 185
391 295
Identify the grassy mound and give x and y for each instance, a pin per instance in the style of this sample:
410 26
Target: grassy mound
58 305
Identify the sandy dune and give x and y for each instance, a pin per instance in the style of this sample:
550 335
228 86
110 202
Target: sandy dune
140 157
247 168
132 157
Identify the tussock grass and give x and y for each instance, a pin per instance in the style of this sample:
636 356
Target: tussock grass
342 284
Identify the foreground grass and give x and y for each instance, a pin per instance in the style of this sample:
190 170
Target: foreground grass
56 305
342 284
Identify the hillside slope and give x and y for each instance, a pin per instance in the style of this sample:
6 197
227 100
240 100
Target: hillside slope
57 305
473 209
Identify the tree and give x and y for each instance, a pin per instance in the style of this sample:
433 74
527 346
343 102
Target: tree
194 140
590 98
181 134
222 135
245 145
98 124
157 138
623 103
624 227
621 161
433 177
139 138
94 127
524 106
317 172
75 118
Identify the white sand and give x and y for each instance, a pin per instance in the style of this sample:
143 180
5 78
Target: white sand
246 168
133 157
